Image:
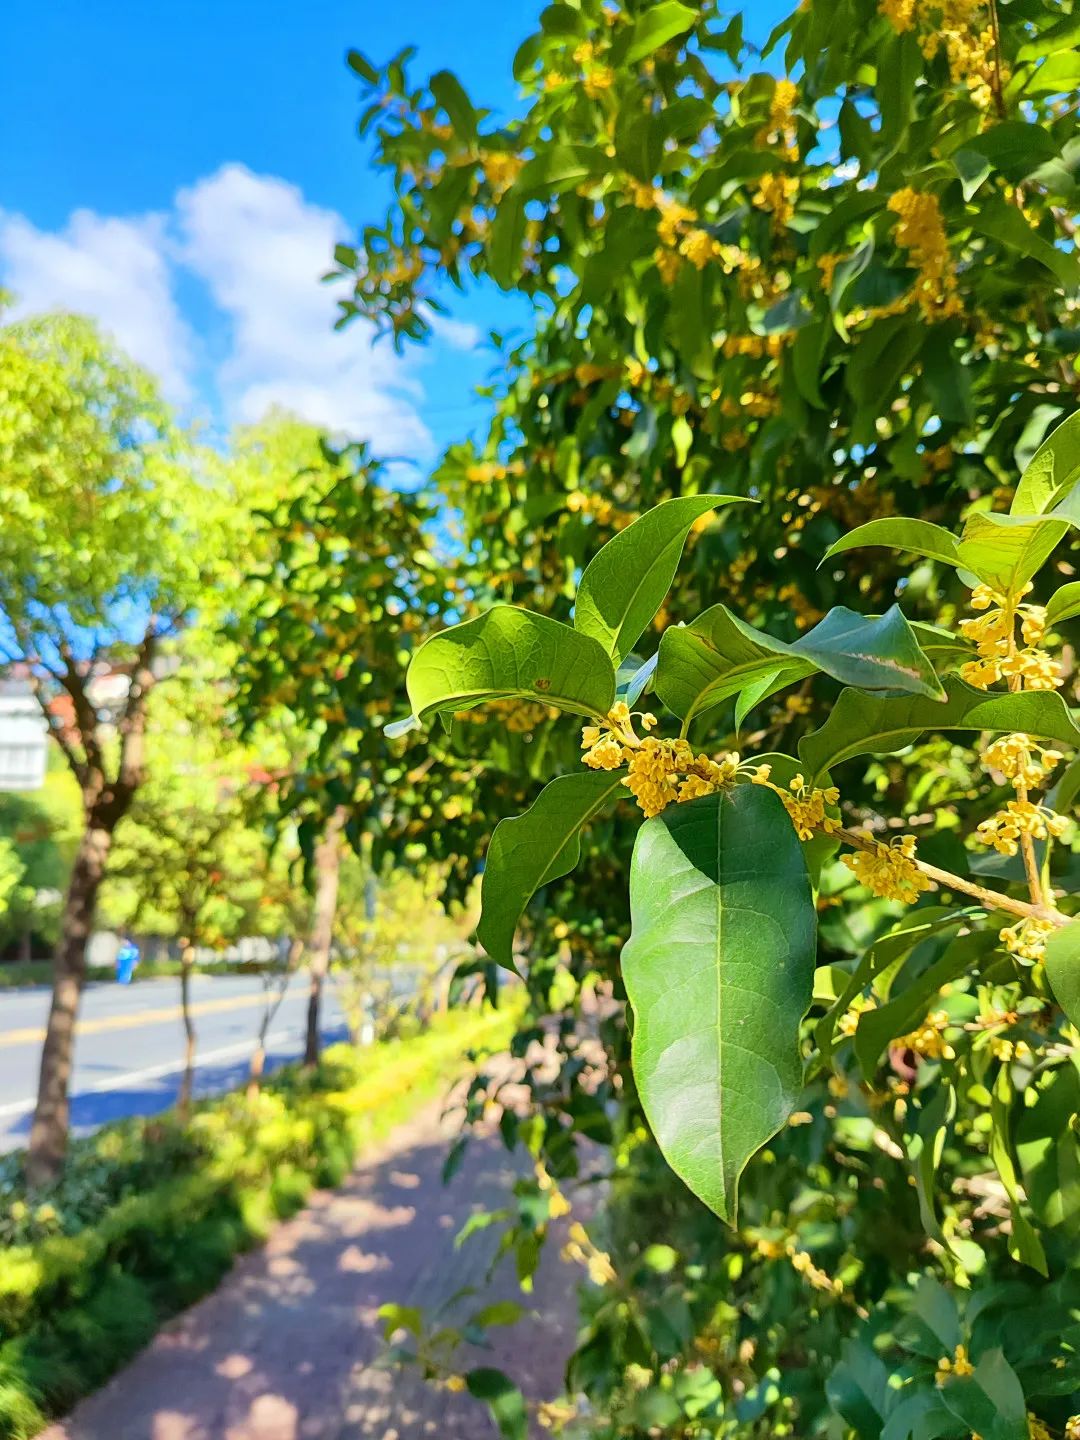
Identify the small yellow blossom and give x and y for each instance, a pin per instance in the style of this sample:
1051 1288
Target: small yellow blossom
921 230
699 247
959 1365
673 219
928 1039
1020 817
889 870
900 14
456 1383
1018 757
1027 939
668 263
776 193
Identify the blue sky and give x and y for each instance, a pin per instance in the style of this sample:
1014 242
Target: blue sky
182 169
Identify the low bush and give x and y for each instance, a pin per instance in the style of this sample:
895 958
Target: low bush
150 1213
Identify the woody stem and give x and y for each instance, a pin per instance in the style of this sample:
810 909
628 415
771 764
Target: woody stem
988 899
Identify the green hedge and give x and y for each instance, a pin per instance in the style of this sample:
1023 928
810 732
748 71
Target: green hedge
124 1254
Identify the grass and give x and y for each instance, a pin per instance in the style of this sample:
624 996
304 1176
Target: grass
150 1214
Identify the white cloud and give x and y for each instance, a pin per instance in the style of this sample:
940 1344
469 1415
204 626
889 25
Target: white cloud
260 248
458 334
113 269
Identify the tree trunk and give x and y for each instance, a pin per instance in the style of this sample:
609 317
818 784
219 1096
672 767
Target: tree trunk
26 946
187 963
49 1132
327 870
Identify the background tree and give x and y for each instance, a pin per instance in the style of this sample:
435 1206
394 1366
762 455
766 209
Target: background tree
194 858
341 582
104 552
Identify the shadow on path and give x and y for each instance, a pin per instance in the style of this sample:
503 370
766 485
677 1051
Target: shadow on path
286 1348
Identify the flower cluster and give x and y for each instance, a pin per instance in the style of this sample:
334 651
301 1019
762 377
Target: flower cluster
658 772
889 870
580 1248
1027 938
962 30
920 230
994 636
776 194
1018 757
804 803
958 1366
928 1040
1021 817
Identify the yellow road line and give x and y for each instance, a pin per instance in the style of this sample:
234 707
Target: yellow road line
35 1035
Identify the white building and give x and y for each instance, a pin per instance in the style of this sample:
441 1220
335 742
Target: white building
23 738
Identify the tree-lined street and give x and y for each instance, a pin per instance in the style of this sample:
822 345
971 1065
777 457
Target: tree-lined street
129 1045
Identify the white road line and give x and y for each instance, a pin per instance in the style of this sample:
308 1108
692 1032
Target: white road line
152 1072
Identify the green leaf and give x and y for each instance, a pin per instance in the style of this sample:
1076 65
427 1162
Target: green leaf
886 951
503 1399
857 1388
558 168
451 97
1064 604
719 655
656 26
1046 1147
1001 221
529 850
510 653
1024 1243
506 240
863 724
1005 551
719 971
1062 963
925 1148
1052 471
990 1402
916 537
625 583
878 1028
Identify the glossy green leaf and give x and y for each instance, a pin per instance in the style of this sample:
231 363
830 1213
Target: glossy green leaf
990 1402
1064 604
1052 471
1005 223
875 725
656 26
858 1389
1048 1150
885 952
719 970
529 850
1024 1243
1063 969
449 94
915 537
925 1148
1005 551
719 655
507 653
625 583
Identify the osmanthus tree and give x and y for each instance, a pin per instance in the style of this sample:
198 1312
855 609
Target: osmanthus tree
110 534
340 581
972 998
838 273
197 858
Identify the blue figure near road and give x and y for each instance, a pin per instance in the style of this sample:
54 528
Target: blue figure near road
127 957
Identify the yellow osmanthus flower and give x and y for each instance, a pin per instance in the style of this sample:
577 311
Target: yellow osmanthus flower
803 1264
598 79
776 194
1018 757
668 263
1020 817
958 1365
674 218
928 1039
827 264
1072 1428
889 870
921 230
899 13
699 247
501 169
1036 1429
1027 939
782 103
849 1021
993 634
805 804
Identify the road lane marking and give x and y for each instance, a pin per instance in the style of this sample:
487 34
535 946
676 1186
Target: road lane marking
153 1072
35 1035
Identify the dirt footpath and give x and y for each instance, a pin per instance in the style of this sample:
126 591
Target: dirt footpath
285 1349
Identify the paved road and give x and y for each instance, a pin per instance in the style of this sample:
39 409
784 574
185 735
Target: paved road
288 1348
128 1053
